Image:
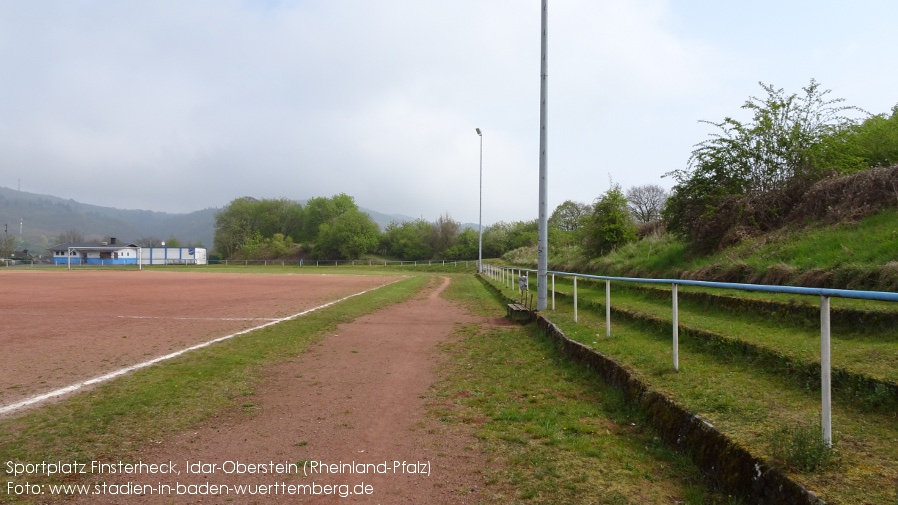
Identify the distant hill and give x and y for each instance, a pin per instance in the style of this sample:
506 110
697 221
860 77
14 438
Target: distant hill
38 219
42 218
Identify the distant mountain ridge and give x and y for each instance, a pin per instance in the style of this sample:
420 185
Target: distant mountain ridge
42 218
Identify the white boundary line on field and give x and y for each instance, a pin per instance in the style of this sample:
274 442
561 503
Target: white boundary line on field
122 371
203 318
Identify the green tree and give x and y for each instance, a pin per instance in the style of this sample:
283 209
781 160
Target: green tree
787 144
569 216
566 223
495 239
523 234
502 237
409 240
776 146
273 216
465 247
279 246
879 137
234 226
873 143
248 219
610 224
347 236
321 210
251 248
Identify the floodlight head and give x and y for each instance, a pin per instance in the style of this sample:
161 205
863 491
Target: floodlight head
478 131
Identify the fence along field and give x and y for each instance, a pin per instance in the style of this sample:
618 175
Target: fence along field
65 327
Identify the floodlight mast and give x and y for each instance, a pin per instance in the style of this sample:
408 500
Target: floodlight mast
480 218
543 245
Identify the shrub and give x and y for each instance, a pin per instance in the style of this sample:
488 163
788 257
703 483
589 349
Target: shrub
801 448
610 225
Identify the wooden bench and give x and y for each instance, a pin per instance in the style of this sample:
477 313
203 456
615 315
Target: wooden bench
519 311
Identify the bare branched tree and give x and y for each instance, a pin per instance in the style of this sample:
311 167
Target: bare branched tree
444 234
149 242
7 246
646 202
70 236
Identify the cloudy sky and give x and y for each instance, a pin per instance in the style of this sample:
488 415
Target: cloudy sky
179 106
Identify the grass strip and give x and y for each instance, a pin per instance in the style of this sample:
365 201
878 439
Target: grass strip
554 432
330 269
864 360
115 420
847 315
856 255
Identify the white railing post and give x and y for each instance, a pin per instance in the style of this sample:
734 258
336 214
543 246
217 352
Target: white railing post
607 308
575 298
825 372
553 292
676 330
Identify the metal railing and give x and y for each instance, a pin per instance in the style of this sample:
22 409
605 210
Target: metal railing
508 276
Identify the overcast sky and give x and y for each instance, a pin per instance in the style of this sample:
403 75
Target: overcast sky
179 106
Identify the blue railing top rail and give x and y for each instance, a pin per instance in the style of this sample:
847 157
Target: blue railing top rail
794 290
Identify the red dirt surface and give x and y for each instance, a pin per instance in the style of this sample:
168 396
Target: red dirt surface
58 328
357 396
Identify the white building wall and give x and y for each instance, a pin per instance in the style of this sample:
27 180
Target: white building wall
173 256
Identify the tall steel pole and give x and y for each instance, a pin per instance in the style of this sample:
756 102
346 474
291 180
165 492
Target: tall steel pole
543 247
480 219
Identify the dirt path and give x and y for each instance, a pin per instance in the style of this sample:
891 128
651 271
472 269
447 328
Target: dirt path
356 398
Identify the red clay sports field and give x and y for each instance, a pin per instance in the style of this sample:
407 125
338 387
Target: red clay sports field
63 327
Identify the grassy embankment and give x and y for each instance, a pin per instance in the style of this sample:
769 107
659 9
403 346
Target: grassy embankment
749 362
856 255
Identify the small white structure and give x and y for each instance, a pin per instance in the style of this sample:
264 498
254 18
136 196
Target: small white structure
114 253
173 256
95 253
